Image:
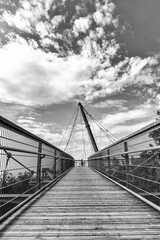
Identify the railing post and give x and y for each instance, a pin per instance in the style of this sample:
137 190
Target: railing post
127 162
109 161
62 162
38 179
100 164
54 164
67 164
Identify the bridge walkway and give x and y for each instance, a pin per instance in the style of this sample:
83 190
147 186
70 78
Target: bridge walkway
84 205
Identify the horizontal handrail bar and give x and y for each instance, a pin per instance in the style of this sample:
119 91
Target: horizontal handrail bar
149 140
35 166
13 127
13 140
31 152
127 152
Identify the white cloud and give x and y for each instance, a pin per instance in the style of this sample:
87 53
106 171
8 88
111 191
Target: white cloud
137 71
158 101
41 28
48 131
43 130
125 122
11 111
18 21
104 14
81 25
111 104
99 18
32 77
25 121
26 5
99 32
109 6
122 117
28 17
56 20
137 64
124 130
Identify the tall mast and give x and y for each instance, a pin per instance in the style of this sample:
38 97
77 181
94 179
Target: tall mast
88 128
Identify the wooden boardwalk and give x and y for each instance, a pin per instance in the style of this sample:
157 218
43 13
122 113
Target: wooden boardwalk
84 205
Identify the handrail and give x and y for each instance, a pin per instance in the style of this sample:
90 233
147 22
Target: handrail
31 152
127 152
137 168
132 135
13 127
28 163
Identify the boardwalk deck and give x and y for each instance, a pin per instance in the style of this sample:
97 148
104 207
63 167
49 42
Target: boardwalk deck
84 205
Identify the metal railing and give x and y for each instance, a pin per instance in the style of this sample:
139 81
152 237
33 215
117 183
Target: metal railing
27 164
134 162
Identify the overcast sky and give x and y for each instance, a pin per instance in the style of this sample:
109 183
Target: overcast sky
104 53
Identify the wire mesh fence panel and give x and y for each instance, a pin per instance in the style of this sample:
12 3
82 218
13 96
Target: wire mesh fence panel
134 162
27 163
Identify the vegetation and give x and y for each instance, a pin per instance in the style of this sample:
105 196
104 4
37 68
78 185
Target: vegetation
16 185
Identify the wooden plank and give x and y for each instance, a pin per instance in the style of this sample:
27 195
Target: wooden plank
84 205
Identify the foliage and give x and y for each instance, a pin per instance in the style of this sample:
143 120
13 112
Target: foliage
155 134
17 184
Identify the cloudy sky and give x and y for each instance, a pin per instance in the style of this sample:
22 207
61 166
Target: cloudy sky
104 53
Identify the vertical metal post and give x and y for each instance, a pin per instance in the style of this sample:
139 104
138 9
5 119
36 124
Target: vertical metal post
62 163
64 169
109 161
38 180
127 162
99 164
157 160
67 161
54 164
68 164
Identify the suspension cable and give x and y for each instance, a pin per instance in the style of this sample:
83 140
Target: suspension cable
103 129
101 126
83 139
75 119
67 127
107 133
